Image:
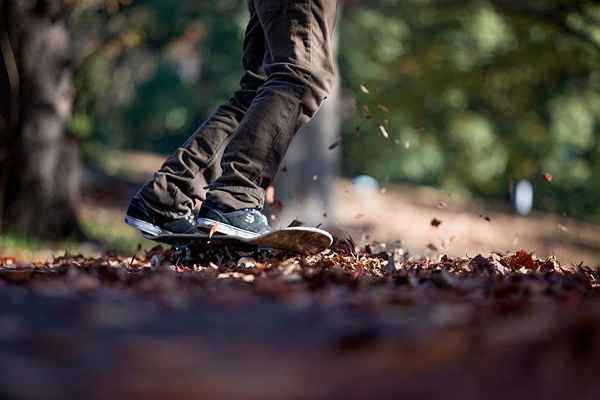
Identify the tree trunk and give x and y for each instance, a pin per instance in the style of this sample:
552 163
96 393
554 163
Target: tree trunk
306 186
40 166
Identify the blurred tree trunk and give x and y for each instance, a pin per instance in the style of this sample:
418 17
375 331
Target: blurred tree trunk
40 166
306 184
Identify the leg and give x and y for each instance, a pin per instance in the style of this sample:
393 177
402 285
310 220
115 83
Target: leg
178 188
300 73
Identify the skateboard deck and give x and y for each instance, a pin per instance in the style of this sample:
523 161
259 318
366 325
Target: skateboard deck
299 239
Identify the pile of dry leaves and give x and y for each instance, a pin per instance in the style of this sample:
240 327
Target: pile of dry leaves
346 323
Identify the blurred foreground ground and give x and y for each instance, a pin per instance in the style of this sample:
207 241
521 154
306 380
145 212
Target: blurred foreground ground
399 214
385 320
346 324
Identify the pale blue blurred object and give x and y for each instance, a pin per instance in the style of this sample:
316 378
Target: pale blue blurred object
523 200
365 184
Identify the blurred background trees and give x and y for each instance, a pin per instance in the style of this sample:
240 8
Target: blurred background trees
472 94
481 93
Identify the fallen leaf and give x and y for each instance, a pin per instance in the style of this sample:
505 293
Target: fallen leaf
436 222
213 229
432 247
522 259
246 263
383 108
335 144
563 228
384 131
367 112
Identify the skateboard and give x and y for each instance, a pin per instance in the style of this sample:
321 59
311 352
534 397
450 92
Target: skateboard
301 239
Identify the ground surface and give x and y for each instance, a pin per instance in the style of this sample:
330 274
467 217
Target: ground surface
349 323
405 213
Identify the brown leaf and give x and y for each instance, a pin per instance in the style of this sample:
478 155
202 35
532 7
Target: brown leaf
522 259
367 112
335 144
432 247
436 222
563 228
270 195
383 108
213 229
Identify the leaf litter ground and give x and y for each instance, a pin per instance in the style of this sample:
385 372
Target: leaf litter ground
346 323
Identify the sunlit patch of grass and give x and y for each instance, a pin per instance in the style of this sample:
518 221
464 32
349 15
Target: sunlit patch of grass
106 226
26 248
103 227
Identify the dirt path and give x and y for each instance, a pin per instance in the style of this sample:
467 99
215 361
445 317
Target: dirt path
467 227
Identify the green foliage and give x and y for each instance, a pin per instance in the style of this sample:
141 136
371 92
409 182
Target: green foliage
151 70
481 93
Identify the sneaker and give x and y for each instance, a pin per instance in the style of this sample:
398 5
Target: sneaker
247 223
151 223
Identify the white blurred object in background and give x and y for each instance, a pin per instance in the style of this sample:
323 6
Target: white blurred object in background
523 197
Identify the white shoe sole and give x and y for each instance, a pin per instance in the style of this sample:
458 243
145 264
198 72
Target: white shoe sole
226 229
145 227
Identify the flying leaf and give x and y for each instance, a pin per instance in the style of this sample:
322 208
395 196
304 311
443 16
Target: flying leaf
213 229
384 132
270 195
384 108
436 222
335 144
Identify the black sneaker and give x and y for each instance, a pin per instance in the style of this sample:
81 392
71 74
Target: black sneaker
151 223
247 223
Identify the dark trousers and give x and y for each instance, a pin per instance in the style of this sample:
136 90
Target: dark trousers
234 156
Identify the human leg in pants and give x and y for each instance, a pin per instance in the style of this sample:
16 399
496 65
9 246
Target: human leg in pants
178 189
300 74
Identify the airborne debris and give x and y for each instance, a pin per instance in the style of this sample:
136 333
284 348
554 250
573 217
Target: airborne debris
384 132
335 144
213 229
436 222
270 195
383 108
